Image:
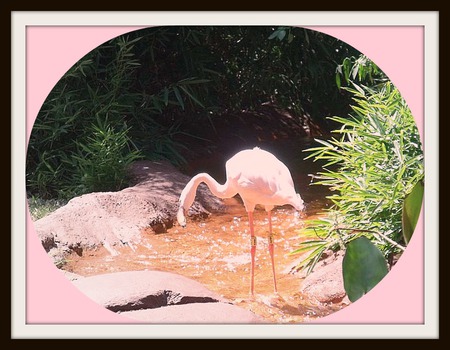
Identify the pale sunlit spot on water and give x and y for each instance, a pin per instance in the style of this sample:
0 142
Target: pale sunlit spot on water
216 252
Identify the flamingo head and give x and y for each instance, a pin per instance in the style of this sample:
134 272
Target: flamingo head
298 202
181 216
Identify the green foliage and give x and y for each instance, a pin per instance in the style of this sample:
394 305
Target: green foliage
39 207
370 167
90 92
361 70
411 210
290 67
363 267
166 86
102 159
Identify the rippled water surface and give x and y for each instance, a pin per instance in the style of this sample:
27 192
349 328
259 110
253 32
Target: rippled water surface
216 252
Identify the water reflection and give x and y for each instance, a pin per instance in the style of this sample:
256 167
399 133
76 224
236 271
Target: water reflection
216 251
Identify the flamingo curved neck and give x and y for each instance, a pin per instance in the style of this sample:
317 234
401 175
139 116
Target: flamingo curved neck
216 188
188 195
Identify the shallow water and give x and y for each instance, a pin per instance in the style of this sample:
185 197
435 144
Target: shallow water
216 251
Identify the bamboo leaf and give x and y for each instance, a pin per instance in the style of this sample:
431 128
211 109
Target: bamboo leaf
273 35
166 96
178 96
192 81
191 96
308 246
338 80
281 34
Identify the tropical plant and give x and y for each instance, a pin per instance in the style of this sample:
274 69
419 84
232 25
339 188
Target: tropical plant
363 267
371 166
89 94
164 88
101 161
359 70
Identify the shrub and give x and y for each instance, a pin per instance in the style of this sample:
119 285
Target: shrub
370 166
87 108
168 85
39 207
101 161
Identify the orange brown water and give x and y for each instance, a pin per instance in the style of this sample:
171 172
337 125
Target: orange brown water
216 252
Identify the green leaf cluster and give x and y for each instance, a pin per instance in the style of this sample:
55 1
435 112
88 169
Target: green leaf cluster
359 70
371 164
81 132
164 88
102 160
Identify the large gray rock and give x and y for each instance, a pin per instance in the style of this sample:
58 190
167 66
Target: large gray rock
326 283
161 297
196 313
113 219
134 290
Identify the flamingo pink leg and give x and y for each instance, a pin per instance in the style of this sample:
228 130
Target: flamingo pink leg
252 250
271 248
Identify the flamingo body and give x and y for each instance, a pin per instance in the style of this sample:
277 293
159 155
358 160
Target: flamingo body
259 178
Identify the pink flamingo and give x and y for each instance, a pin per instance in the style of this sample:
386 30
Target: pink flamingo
259 178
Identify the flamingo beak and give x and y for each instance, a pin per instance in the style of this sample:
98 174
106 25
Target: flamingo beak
300 203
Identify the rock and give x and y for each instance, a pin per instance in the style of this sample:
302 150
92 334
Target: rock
71 276
116 219
134 290
326 284
155 296
196 313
